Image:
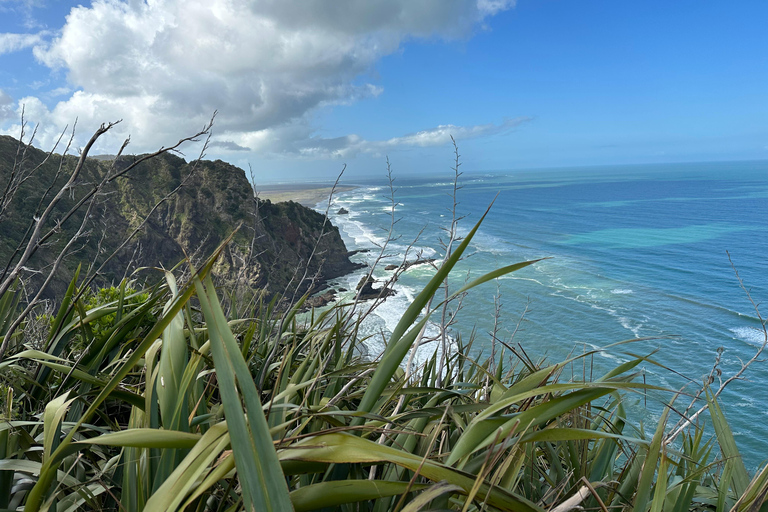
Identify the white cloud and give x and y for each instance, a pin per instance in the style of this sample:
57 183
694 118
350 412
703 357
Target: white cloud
491 7
297 140
23 12
15 42
443 133
7 108
227 145
59 91
164 66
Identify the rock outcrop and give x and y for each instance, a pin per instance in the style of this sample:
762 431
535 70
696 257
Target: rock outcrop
408 264
366 290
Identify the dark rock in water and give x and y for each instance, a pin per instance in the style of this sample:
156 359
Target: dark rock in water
275 245
420 261
366 291
408 264
342 211
342 289
321 300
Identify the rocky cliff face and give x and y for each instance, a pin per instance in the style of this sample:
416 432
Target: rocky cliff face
274 247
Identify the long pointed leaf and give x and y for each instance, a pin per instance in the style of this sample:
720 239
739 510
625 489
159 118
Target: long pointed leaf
259 470
345 448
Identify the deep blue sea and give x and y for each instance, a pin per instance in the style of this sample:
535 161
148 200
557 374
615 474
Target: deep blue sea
635 251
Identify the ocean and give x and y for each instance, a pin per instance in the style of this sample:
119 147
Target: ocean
634 252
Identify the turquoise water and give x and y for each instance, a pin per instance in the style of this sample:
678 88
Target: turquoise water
636 251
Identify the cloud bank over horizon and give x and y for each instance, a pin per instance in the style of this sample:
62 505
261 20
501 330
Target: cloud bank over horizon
267 67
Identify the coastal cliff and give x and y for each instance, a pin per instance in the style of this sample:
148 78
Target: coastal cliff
196 206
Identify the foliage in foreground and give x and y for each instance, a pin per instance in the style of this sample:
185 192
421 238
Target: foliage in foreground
155 400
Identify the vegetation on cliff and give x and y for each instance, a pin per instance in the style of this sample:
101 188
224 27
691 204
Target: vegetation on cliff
181 209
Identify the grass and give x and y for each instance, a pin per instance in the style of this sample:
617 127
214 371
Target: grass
151 398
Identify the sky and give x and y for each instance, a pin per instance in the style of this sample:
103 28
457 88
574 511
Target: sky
303 87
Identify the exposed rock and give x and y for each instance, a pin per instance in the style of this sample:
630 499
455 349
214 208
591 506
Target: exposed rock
408 264
318 301
342 211
419 261
357 251
366 290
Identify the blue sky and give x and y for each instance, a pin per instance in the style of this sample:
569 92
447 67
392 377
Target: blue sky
303 87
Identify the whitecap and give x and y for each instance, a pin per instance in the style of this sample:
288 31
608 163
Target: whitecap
604 353
749 334
622 291
515 278
744 402
362 235
427 252
627 324
490 244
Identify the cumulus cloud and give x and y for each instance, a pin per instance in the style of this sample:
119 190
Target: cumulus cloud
165 66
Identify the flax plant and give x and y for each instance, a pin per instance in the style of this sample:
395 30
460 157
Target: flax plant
156 401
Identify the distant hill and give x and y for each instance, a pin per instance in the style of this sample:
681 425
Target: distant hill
269 252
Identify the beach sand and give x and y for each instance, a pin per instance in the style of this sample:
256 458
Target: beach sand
306 194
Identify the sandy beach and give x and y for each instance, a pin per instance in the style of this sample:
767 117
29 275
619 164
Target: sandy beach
308 194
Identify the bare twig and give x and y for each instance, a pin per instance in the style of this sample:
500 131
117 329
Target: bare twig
36 237
39 222
453 237
686 420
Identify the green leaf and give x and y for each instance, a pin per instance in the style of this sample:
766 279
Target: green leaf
739 475
390 362
648 471
219 472
259 471
31 467
575 434
434 492
399 343
660 490
483 432
174 489
340 492
346 448
36 494
173 361
146 438
54 412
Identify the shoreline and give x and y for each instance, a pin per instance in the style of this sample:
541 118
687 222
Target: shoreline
314 196
305 194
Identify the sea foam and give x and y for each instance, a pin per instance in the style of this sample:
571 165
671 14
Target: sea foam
749 334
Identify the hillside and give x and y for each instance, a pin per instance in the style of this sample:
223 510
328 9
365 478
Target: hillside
270 251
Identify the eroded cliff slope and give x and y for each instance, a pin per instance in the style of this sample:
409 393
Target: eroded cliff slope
190 208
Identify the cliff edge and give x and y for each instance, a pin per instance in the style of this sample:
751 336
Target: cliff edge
190 208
